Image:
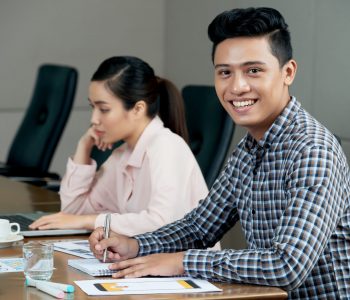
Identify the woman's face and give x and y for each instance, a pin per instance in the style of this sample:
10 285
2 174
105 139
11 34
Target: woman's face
110 120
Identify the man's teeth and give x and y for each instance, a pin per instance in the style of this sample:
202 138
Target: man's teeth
243 103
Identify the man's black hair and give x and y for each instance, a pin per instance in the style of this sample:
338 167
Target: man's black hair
253 22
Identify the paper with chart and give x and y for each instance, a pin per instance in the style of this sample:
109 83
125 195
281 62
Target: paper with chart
11 264
79 248
158 285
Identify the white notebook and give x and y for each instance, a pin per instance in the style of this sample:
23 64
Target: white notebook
91 266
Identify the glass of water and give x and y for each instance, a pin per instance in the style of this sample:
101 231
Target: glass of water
38 260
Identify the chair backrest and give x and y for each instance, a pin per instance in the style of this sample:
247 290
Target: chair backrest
101 156
338 138
210 129
38 135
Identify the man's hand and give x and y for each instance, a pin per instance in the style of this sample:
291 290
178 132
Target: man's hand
64 221
163 264
120 247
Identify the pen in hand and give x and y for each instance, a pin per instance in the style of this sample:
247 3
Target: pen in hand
106 233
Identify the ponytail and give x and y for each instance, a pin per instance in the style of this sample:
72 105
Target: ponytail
171 108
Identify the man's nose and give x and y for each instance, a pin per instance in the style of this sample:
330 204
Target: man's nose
239 84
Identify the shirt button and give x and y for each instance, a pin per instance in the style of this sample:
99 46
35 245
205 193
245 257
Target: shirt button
255 171
253 211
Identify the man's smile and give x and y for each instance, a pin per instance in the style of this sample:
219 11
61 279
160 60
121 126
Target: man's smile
242 103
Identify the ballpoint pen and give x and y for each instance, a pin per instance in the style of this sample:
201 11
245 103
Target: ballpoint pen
106 233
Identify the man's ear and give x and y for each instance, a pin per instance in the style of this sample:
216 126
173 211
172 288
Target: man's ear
290 69
140 108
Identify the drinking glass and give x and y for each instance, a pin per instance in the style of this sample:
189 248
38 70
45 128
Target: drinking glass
38 260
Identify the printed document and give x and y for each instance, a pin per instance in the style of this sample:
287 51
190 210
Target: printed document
79 248
147 285
11 264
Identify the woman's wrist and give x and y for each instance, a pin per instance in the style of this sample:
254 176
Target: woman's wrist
89 221
82 154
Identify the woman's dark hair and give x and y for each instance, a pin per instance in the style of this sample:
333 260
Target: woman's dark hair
253 22
131 80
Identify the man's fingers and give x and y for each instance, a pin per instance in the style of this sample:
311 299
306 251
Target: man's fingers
114 256
130 264
134 271
96 235
98 244
104 244
95 238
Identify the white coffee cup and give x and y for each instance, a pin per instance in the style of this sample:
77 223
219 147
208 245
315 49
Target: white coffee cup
6 228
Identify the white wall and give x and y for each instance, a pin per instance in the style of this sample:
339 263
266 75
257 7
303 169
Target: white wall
80 33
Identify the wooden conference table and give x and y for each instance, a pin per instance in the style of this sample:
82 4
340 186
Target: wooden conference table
20 197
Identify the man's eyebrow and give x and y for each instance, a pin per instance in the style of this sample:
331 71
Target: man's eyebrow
221 66
247 63
254 62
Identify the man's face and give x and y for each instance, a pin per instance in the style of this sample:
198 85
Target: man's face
251 85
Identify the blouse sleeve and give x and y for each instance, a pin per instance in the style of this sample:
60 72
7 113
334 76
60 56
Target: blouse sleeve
85 191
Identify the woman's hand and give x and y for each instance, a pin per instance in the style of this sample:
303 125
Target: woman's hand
85 145
62 220
163 264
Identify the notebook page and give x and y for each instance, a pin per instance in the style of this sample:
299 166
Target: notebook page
91 266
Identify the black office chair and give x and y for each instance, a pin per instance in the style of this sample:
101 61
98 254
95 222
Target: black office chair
338 138
36 140
101 156
210 129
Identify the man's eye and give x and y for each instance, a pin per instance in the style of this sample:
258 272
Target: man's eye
254 70
103 110
224 72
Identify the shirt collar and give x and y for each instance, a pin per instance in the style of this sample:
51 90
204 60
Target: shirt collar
282 122
137 154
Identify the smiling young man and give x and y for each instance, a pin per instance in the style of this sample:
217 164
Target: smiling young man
287 181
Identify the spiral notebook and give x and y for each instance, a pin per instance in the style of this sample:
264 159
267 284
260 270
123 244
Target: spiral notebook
91 266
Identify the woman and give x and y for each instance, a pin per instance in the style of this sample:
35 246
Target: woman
149 181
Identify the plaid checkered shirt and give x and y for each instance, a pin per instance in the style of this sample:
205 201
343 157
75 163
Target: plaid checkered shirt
290 191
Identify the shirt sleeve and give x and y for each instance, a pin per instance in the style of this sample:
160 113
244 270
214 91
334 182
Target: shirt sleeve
83 190
177 185
315 205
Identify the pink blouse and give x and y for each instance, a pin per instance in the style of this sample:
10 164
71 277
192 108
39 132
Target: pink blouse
156 183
